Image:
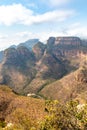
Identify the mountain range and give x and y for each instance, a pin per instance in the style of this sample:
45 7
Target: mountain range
56 70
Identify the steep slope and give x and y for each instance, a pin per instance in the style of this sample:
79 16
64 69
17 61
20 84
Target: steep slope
38 50
17 68
48 69
29 71
72 86
61 56
12 106
68 49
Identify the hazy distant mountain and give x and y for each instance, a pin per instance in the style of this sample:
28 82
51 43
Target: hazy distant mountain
13 46
30 43
30 71
1 55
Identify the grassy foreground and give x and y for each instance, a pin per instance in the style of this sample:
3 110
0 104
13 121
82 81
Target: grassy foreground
26 113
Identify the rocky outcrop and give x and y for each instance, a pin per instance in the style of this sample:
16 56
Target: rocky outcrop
64 40
21 66
51 67
38 50
17 68
68 41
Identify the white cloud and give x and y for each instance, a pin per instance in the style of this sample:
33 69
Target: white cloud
23 34
19 14
80 31
11 14
2 37
55 3
58 15
76 29
32 5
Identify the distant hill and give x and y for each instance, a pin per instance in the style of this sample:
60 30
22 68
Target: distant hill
29 43
1 55
28 70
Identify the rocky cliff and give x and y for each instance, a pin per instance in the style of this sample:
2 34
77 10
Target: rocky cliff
30 70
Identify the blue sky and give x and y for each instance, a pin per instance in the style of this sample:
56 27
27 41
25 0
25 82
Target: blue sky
21 20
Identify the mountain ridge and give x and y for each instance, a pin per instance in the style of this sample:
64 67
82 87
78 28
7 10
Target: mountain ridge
30 71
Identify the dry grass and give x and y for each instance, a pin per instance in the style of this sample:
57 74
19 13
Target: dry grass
11 103
68 87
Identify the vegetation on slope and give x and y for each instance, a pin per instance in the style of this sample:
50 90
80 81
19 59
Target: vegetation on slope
72 86
19 110
69 116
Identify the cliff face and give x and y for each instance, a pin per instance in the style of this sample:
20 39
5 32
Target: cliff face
68 49
67 45
38 50
22 67
68 40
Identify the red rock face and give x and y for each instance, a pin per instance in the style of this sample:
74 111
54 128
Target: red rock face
67 40
68 47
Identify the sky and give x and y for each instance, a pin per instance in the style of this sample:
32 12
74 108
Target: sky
21 20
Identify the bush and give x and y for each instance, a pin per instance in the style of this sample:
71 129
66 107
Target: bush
64 117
